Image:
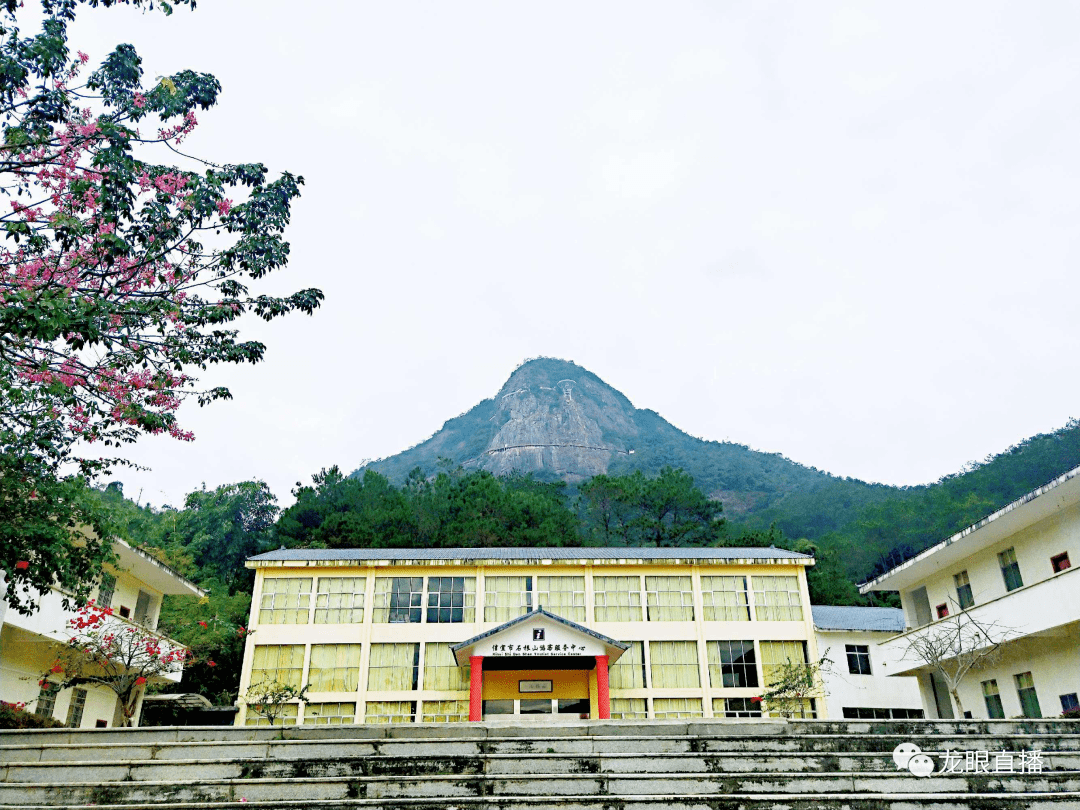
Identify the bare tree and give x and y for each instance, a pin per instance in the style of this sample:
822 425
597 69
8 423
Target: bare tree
957 644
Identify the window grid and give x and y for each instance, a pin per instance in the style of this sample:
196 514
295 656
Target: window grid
775 654
725 599
629 709
858 658
393 667
445 711
676 708
674 665
617 599
1029 699
334 668
732 664
75 708
285 600
992 698
283 663
563 595
1010 569
451 600
669 599
286 716
329 714
963 590
441 672
398 600
777 599
340 600
106 589
46 700
506 598
629 671
736 707
382 712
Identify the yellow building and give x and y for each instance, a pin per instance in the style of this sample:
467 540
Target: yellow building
445 635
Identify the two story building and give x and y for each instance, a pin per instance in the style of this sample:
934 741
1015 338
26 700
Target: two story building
447 635
1012 574
28 644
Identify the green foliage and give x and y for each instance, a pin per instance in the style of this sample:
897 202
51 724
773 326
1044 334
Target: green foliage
15 716
269 697
793 684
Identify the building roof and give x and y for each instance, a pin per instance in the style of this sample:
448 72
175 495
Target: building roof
529 553
622 645
881 619
1037 505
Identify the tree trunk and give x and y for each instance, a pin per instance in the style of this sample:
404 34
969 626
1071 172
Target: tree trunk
959 703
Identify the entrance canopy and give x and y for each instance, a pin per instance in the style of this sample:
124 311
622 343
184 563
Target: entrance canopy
543 640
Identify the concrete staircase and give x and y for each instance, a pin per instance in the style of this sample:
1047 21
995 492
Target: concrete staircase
646 765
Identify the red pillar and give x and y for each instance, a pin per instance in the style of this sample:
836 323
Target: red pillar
476 688
603 698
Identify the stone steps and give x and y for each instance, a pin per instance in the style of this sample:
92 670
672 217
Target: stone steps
722 765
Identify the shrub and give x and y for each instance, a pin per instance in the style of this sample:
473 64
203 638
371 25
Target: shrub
1071 714
14 715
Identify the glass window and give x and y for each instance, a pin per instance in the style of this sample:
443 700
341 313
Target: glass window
498 707
1060 562
286 716
676 708
46 700
1029 700
670 599
535 706
579 707
617 599
75 708
389 711
1010 569
441 672
992 697
942 610
334 668
142 609
724 599
963 590
629 709
674 665
445 711
506 598
629 671
736 707
285 600
1070 702
340 600
775 654
732 664
858 658
393 667
329 714
283 663
777 599
563 596
398 600
451 600
106 588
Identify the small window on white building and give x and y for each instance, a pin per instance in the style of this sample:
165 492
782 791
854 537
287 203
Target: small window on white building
1060 562
858 658
75 708
1010 569
106 587
143 607
46 700
1029 699
992 698
1070 702
963 590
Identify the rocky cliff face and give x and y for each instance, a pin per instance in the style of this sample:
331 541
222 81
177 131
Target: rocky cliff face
556 417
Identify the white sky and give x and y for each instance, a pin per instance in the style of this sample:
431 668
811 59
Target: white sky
844 231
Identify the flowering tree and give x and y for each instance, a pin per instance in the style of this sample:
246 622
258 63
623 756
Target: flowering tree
107 651
120 276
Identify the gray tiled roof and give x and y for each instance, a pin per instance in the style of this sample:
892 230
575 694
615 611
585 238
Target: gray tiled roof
532 553
884 619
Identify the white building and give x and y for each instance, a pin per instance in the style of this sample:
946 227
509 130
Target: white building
1013 573
28 643
861 683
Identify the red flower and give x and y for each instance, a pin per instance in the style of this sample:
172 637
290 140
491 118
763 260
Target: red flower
755 700
140 681
202 624
56 668
22 565
211 664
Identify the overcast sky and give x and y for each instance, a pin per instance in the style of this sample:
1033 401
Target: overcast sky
843 231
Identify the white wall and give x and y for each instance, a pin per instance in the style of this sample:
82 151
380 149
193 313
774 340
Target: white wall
879 690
